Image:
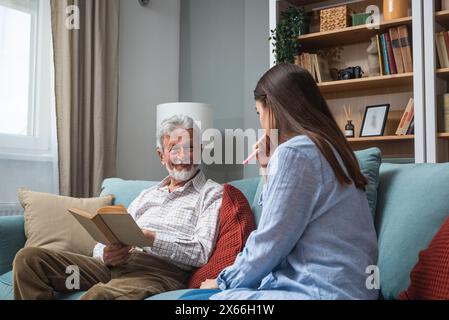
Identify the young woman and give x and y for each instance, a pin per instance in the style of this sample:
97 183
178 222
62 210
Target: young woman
316 236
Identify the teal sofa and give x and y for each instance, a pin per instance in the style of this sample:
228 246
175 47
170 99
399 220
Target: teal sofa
412 204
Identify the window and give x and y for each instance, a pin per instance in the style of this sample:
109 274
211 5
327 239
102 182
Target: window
25 77
16 69
28 153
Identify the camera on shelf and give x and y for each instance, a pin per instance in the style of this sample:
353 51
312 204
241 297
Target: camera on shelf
350 73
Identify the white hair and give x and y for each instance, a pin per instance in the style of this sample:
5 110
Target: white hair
176 122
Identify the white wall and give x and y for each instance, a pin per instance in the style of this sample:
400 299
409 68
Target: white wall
149 75
224 51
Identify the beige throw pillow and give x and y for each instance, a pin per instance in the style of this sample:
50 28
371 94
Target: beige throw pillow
49 225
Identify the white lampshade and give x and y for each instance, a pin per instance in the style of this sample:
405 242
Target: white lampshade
201 113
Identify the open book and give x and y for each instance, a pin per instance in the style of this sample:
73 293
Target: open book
111 225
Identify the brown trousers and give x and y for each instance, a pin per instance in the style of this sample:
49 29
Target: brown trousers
39 272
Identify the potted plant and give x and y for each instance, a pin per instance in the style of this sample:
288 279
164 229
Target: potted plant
293 23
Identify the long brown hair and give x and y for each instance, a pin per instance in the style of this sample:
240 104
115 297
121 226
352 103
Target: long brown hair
298 108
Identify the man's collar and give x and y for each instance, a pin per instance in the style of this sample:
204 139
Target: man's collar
198 182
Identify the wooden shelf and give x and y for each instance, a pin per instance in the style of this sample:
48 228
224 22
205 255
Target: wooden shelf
443 136
381 139
396 80
443 73
442 18
348 35
300 3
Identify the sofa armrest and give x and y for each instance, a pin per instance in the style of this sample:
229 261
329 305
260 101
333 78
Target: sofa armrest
12 239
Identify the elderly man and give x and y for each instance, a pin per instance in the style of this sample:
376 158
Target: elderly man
179 216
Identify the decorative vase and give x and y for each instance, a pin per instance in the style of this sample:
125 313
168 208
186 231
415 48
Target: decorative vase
395 9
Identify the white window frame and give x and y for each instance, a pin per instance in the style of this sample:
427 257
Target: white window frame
38 144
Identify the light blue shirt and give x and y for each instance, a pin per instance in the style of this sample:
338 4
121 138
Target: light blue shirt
315 239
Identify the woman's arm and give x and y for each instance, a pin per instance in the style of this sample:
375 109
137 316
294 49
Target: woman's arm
290 198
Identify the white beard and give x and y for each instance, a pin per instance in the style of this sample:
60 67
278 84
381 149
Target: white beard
183 175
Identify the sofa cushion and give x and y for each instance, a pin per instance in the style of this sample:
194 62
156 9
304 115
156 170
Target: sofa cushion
12 239
124 191
369 162
49 225
430 276
251 188
170 295
7 292
236 222
6 288
412 205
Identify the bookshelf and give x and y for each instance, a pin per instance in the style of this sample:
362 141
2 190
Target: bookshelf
348 35
377 82
435 20
396 90
425 84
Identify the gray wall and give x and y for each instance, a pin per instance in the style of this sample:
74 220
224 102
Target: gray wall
257 62
224 51
149 75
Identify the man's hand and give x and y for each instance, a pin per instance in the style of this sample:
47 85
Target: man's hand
116 254
209 284
150 235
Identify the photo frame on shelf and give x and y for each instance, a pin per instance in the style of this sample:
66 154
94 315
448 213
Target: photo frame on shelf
374 120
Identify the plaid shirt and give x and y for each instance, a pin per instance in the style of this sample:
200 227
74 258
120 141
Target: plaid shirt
185 221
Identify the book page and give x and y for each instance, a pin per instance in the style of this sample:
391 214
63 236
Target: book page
89 225
125 229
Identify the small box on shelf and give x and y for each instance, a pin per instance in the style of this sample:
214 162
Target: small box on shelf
335 18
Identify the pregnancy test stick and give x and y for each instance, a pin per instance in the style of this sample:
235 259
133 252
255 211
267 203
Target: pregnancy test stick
252 155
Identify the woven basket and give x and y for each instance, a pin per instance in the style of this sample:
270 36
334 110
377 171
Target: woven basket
335 18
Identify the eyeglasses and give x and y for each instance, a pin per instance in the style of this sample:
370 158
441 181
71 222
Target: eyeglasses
177 149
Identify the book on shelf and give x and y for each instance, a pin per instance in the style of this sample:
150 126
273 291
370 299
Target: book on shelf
394 37
316 65
407 119
406 48
385 54
443 113
411 128
442 49
391 59
379 50
394 49
111 225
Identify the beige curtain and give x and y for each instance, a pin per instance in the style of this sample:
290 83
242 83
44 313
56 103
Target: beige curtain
86 75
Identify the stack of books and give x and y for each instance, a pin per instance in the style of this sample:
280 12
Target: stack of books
316 65
395 51
407 124
442 42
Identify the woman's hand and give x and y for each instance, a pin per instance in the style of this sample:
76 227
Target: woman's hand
264 151
209 284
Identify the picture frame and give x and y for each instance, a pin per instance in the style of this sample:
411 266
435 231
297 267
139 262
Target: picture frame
374 120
